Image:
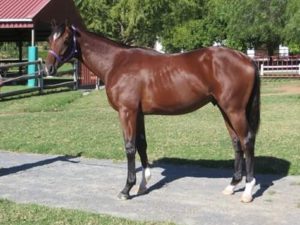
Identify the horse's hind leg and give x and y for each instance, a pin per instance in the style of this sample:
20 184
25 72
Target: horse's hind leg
141 145
239 155
240 125
250 180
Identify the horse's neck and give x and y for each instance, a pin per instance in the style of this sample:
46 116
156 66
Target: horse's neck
98 54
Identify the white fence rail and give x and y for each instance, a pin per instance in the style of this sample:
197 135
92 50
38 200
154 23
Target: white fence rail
279 70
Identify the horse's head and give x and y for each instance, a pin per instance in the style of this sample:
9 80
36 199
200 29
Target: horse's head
62 47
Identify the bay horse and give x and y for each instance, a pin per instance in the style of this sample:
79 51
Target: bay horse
140 81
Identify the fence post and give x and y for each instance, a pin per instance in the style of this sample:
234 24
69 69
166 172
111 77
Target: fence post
41 75
262 69
32 56
75 74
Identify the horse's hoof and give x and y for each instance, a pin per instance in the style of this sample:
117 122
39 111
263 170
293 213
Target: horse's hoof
246 198
123 196
229 190
142 190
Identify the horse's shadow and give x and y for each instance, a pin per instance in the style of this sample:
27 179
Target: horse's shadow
27 166
268 170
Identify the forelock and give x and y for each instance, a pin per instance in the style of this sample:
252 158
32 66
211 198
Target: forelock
57 31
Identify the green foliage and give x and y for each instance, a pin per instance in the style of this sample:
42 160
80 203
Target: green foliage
190 24
185 36
250 23
96 15
137 21
292 27
184 26
133 22
9 50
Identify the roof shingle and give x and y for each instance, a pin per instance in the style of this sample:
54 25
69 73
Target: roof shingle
20 9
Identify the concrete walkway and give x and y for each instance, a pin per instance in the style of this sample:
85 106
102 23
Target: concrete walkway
181 194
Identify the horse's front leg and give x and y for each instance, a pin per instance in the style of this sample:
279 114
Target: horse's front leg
128 121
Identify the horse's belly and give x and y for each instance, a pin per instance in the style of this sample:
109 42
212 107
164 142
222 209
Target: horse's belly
174 102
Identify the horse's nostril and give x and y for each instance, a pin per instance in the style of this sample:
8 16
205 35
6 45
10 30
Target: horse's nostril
51 70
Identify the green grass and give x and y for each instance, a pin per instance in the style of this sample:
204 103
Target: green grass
30 214
12 88
70 122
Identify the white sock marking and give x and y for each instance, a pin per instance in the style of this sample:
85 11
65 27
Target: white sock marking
145 179
247 195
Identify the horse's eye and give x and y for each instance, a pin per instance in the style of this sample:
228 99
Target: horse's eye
67 40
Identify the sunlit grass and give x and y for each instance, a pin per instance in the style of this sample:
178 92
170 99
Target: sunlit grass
31 214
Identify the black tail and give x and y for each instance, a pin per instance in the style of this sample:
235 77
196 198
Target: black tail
253 107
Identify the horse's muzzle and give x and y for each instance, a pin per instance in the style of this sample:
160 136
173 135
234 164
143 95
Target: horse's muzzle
50 70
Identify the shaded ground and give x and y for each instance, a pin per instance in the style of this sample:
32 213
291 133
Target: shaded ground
182 194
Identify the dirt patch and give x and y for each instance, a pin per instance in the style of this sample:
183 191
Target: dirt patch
291 89
285 90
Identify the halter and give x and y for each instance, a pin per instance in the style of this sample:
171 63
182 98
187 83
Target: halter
73 52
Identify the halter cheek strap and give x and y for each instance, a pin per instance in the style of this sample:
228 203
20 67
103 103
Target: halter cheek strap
57 57
73 52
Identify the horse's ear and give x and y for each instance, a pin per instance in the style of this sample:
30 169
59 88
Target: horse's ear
67 23
53 23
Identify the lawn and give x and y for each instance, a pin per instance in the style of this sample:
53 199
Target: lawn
77 122
30 214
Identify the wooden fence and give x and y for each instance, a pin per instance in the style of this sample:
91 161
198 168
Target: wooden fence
279 67
282 71
39 76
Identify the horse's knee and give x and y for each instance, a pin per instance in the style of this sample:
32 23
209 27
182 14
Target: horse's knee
248 144
130 149
235 141
236 144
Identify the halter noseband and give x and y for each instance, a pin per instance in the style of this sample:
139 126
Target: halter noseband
73 52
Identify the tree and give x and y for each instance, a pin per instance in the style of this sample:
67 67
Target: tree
134 22
190 24
137 22
291 32
96 15
184 26
256 23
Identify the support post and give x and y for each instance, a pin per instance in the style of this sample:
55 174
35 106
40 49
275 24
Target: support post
32 56
41 76
262 69
20 45
75 74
